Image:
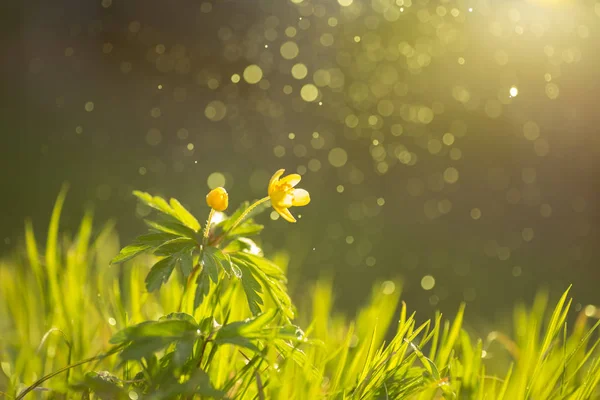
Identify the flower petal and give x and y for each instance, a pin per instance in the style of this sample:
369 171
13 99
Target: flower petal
274 180
285 214
301 197
282 199
291 179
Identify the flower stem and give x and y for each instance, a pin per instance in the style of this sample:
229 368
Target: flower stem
245 213
207 226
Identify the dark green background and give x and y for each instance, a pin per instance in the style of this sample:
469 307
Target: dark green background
45 92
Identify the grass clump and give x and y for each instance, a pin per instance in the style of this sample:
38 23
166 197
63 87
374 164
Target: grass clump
192 313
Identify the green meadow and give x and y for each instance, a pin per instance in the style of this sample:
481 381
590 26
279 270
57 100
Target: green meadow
190 312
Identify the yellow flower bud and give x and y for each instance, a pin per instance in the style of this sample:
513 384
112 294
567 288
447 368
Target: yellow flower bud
218 199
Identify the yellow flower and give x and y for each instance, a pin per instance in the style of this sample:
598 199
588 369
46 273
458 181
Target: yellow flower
218 199
283 195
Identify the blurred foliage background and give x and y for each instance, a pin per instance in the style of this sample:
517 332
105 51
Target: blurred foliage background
451 143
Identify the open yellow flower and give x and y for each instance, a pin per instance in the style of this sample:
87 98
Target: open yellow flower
283 195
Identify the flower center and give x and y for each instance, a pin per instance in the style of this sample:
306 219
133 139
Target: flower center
284 187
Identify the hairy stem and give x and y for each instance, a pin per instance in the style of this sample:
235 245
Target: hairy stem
248 210
207 226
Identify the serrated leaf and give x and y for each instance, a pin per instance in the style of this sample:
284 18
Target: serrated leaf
156 202
211 266
143 196
186 262
221 259
155 239
294 332
197 384
149 337
239 341
237 272
128 252
144 347
270 277
208 324
290 350
225 261
162 205
202 288
160 273
181 316
184 215
172 328
242 333
103 385
251 287
124 334
268 267
246 327
243 244
175 246
173 228
183 351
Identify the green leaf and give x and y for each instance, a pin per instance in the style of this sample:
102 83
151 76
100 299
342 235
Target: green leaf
237 272
155 239
185 216
252 288
268 267
446 349
270 277
175 246
103 385
239 341
144 348
197 384
243 244
241 333
202 288
224 260
125 335
149 337
293 332
185 261
171 328
160 273
210 265
183 351
219 259
182 251
173 228
427 362
156 202
180 316
246 327
128 252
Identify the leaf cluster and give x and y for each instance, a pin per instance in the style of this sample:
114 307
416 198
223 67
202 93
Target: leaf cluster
224 327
